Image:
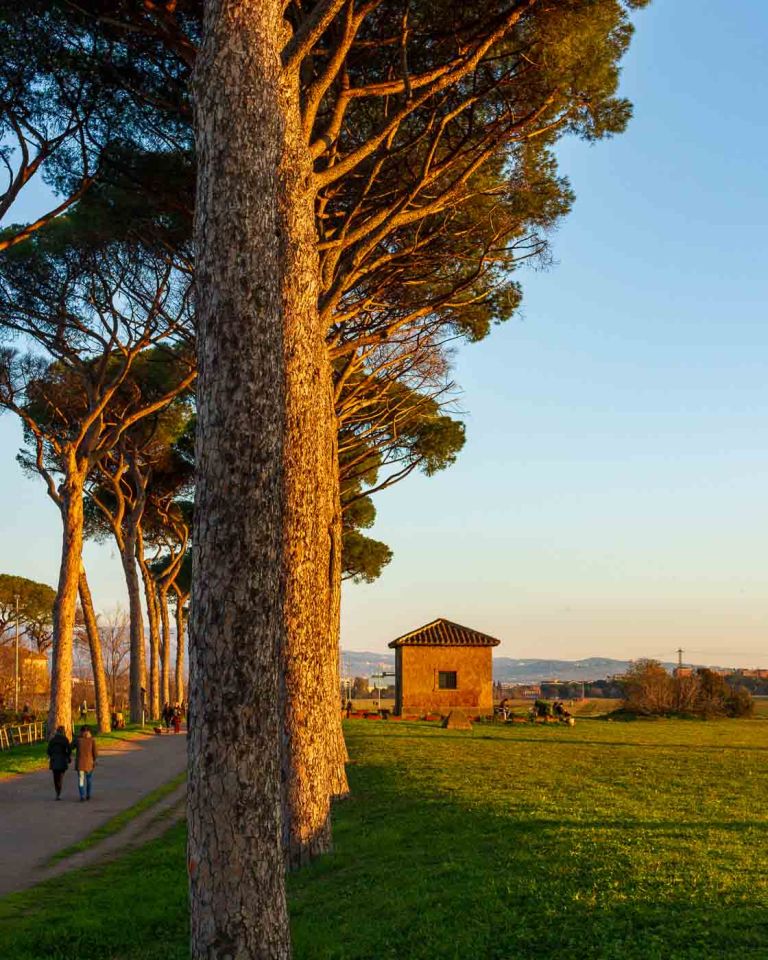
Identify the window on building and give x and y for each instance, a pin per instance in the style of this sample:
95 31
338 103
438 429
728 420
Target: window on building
446 680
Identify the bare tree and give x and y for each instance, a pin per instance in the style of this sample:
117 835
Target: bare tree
114 630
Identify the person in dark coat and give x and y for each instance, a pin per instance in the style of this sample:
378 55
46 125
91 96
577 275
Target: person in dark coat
85 761
60 753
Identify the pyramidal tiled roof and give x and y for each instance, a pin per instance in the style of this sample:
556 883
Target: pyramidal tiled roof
444 633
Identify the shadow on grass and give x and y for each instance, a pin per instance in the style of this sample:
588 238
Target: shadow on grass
418 875
567 738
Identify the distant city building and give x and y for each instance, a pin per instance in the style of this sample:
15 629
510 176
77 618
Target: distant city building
443 665
528 691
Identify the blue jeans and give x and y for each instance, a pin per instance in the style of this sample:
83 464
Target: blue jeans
84 782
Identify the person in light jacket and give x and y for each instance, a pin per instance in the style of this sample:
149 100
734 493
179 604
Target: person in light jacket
60 753
85 761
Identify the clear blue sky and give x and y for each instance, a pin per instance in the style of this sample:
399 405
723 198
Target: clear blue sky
611 498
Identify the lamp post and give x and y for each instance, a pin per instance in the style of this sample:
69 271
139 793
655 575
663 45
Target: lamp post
16 674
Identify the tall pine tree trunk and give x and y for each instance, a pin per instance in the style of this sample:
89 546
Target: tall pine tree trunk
65 605
181 599
137 673
153 619
309 477
103 715
165 645
237 887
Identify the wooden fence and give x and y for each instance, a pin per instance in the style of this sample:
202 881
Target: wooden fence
13 736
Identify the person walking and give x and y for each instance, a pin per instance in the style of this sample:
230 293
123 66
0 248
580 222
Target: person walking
177 719
85 761
60 753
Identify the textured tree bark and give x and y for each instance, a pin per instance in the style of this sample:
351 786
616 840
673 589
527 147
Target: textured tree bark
165 645
64 609
237 887
310 475
153 619
137 674
103 714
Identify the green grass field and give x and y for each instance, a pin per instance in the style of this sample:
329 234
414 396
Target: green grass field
637 840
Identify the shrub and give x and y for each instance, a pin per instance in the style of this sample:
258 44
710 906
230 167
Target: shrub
739 703
648 688
650 691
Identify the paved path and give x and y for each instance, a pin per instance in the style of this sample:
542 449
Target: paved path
34 826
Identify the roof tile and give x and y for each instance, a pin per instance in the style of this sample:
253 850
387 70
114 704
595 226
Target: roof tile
444 633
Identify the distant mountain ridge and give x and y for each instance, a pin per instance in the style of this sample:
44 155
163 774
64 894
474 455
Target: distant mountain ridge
505 669
510 669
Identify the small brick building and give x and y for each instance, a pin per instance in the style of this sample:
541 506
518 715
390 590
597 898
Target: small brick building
443 665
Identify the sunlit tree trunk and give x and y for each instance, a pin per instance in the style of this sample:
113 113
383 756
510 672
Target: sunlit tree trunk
237 888
165 645
181 599
153 619
137 673
70 502
103 715
310 473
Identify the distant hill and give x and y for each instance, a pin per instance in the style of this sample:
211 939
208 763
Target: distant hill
506 669
355 664
510 670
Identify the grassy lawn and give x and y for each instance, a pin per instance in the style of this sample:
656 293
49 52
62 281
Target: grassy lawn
761 707
617 841
28 757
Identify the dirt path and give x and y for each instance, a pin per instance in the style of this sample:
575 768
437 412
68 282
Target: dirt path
34 826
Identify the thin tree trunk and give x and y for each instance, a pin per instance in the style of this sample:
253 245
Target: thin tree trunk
181 599
165 646
153 618
138 669
65 605
237 887
103 715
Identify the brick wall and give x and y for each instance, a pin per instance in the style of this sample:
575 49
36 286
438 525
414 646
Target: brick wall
417 679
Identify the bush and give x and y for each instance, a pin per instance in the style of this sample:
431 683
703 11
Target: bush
739 703
650 691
